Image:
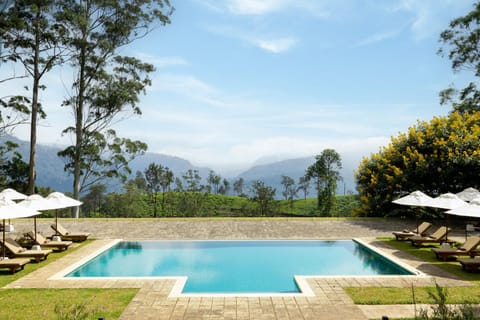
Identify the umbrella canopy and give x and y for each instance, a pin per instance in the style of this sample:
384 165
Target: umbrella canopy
416 198
471 209
61 201
12 194
446 201
11 210
469 194
36 202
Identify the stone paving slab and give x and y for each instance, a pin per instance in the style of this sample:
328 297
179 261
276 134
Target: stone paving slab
330 301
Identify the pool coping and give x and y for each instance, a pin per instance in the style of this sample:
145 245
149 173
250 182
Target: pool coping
179 281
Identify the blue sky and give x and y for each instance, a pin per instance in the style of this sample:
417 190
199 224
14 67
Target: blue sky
243 80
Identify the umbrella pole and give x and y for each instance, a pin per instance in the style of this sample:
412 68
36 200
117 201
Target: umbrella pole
35 227
3 239
56 221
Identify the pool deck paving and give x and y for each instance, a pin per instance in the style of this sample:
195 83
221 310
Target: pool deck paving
330 301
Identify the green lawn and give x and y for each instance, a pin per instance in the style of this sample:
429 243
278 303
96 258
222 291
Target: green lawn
388 295
37 304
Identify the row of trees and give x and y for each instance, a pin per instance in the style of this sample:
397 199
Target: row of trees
189 193
84 37
436 156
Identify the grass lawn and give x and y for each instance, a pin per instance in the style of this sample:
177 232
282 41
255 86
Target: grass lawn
52 303
389 295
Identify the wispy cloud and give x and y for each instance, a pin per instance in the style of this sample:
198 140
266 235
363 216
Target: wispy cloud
269 43
264 7
275 45
428 15
378 37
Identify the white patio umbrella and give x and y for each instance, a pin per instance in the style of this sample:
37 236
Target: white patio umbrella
471 209
60 200
12 194
447 201
11 210
414 199
469 194
38 203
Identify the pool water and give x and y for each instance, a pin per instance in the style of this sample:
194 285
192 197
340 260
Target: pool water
237 266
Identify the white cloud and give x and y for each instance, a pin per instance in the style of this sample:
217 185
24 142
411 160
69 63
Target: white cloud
378 37
255 7
275 45
429 15
265 7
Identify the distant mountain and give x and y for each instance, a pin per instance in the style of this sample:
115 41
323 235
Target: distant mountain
271 174
50 169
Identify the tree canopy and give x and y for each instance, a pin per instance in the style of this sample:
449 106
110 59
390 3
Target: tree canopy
436 156
462 46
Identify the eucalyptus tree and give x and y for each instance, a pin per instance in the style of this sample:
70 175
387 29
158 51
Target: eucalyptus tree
214 181
238 186
325 172
461 44
106 86
303 185
152 176
158 178
30 34
264 197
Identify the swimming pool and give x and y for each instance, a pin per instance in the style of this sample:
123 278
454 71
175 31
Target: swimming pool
237 266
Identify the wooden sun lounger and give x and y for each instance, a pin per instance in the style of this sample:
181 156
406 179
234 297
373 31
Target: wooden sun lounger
470 264
14 264
69 236
44 243
17 251
406 234
468 248
439 236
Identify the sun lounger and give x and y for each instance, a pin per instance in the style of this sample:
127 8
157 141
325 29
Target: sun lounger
439 236
405 234
69 236
44 243
14 264
470 264
17 251
468 248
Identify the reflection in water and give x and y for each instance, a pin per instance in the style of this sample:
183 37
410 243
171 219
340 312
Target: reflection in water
378 263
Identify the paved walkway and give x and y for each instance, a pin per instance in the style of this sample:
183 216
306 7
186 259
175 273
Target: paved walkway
153 302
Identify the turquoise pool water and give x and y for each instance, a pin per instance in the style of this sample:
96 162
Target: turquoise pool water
237 266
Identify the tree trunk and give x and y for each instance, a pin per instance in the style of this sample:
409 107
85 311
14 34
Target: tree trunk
79 123
33 124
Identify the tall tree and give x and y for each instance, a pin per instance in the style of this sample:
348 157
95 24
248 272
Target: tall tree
106 86
289 191
303 185
325 172
153 175
238 186
214 181
30 33
462 46
264 196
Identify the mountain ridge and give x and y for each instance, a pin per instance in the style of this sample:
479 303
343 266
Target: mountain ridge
50 168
